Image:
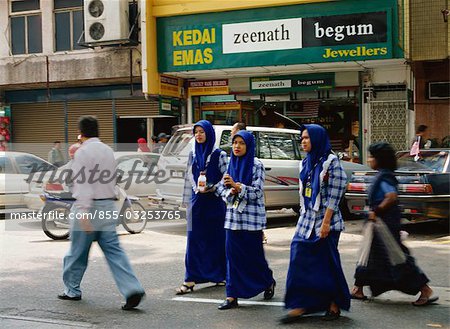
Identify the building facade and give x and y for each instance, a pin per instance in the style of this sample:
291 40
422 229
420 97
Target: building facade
338 63
48 77
429 56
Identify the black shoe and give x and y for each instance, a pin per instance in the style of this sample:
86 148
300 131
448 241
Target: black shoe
331 315
290 318
268 294
227 304
133 301
63 296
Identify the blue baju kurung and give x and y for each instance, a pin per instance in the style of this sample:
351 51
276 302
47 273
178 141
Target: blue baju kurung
248 273
315 278
205 252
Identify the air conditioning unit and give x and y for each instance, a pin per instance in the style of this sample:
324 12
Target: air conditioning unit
105 20
439 90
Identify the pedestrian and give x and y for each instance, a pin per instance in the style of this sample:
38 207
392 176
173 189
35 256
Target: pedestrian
94 218
236 127
383 202
142 145
421 132
163 138
205 250
248 273
55 156
315 280
72 149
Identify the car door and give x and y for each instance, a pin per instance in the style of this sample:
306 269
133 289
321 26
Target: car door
138 174
9 189
27 167
279 152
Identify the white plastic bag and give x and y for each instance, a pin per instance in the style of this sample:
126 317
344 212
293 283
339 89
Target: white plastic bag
395 253
364 250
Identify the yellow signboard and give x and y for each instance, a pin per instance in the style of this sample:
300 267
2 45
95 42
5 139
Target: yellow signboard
208 87
170 86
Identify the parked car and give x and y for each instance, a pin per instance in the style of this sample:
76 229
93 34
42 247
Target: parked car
424 191
278 149
138 178
15 169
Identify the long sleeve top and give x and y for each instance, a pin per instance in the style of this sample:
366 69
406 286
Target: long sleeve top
94 173
332 187
246 211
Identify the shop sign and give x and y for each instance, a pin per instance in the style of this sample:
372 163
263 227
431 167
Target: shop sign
218 98
262 36
170 86
355 30
305 82
221 106
208 87
169 106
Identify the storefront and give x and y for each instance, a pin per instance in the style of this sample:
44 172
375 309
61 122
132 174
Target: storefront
316 62
123 119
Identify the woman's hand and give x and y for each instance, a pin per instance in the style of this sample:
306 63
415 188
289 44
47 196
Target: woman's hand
372 217
228 181
236 189
324 230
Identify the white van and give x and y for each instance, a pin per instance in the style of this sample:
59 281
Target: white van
277 148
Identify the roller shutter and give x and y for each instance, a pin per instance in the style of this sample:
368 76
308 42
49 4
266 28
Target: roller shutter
101 109
36 126
137 107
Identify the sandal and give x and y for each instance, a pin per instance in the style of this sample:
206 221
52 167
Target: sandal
184 289
363 297
331 315
422 301
269 292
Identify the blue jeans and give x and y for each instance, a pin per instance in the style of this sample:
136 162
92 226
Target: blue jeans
76 260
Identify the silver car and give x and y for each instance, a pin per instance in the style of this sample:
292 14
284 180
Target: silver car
277 148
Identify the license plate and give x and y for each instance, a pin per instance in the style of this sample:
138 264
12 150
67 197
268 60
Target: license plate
177 173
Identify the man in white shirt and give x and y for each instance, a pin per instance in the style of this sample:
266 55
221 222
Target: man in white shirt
94 217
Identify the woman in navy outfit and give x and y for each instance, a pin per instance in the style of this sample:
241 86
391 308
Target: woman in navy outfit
205 252
315 280
248 273
383 201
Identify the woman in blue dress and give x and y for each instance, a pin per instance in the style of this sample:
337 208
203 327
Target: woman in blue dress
205 252
315 280
248 273
383 201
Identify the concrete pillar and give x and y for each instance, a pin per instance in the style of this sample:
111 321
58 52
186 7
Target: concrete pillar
4 27
48 34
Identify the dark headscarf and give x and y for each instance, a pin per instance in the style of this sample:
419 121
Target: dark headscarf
320 149
202 151
241 168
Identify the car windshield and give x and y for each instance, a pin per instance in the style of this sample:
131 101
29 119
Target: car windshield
177 144
428 161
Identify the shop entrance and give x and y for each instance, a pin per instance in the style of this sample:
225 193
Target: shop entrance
340 117
128 132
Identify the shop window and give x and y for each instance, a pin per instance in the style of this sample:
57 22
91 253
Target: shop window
69 24
225 142
26 27
6 166
278 146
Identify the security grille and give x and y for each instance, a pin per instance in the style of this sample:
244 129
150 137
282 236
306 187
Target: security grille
389 122
386 117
